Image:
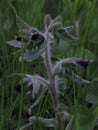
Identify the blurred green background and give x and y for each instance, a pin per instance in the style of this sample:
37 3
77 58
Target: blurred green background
83 14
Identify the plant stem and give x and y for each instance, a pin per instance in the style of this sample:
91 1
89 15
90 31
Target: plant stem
53 90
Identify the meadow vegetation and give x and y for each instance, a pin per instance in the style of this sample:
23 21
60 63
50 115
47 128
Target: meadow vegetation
77 78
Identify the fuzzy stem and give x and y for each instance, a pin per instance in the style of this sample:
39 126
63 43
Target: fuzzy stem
53 89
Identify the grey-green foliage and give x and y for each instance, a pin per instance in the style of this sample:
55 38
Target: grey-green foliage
34 44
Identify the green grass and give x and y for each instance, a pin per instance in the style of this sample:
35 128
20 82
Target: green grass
12 114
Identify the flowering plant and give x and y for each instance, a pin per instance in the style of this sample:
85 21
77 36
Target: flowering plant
35 44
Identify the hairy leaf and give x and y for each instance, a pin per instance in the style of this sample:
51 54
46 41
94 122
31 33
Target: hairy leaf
79 80
72 61
44 121
64 29
15 43
36 81
70 36
57 19
69 28
66 33
54 25
37 101
47 20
